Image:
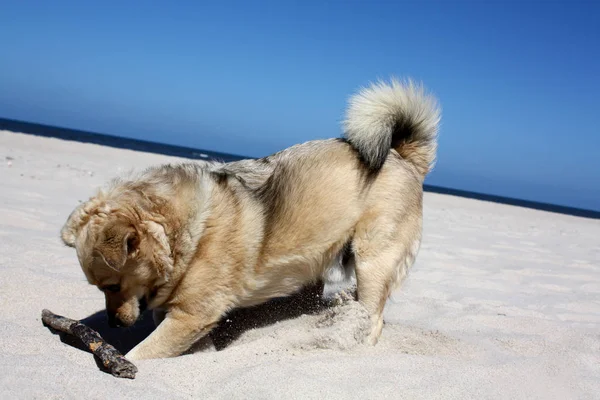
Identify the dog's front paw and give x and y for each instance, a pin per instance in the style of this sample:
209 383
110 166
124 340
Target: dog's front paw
137 353
131 355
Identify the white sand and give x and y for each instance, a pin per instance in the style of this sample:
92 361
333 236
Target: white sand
502 303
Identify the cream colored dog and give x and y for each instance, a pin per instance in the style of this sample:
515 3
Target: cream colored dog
197 240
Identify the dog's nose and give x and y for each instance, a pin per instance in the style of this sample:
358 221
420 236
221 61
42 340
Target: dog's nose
113 321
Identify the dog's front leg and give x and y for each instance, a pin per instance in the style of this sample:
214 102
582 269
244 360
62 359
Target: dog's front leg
176 334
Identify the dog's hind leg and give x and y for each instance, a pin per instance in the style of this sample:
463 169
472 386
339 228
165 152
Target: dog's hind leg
384 252
373 280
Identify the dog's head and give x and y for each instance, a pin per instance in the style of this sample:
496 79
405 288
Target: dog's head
122 250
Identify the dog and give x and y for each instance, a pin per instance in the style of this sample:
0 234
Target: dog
195 240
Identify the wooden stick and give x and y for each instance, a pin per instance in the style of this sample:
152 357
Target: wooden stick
110 357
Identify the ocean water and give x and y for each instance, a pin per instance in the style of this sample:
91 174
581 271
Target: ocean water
198 154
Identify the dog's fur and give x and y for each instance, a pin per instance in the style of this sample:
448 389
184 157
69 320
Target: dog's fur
197 240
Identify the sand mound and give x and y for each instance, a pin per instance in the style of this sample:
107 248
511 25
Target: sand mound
340 326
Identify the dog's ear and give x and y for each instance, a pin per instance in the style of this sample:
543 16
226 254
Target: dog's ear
76 220
116 243
160 250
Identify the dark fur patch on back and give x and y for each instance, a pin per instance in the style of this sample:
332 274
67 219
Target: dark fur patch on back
272 195
269 195
220 178
368 174
383 150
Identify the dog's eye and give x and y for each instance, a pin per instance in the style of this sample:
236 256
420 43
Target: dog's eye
112 288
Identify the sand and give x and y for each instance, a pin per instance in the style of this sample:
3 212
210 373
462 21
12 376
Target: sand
503 302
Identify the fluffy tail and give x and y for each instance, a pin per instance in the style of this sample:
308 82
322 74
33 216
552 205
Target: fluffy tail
398 116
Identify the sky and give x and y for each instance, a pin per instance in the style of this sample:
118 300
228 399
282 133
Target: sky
518 81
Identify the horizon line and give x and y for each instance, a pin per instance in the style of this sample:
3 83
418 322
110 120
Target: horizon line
76 135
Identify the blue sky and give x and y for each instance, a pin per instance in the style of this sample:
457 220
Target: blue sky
518 81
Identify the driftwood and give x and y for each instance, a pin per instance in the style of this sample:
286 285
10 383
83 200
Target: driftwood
110 357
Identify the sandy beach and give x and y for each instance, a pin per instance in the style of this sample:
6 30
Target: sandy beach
502 303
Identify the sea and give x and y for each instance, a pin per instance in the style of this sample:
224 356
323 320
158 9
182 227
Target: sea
199 154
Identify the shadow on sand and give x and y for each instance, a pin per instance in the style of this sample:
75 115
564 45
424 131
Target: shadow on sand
308 301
